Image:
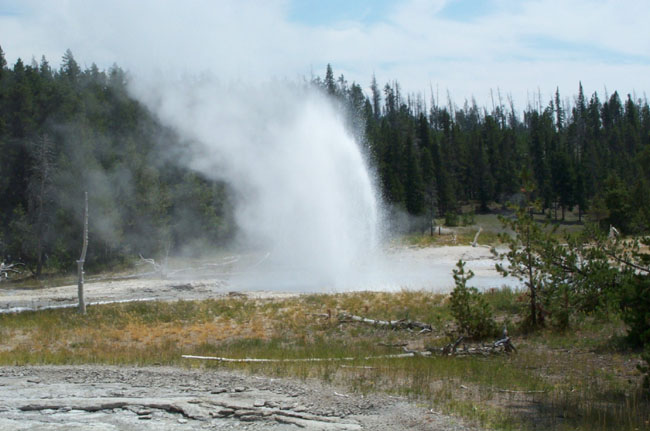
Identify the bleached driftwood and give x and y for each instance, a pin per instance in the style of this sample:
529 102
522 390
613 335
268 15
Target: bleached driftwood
7 268
503 345
451 349
508 391
157 268
475 242
164 271
392 324
269 360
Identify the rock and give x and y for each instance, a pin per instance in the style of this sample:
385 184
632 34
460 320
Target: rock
219 391
239 389
259 403
182 421
145 418
143 412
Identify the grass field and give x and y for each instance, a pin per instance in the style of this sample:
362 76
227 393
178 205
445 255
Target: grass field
582 379
490 227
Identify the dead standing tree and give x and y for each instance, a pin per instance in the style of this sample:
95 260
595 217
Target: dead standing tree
82 259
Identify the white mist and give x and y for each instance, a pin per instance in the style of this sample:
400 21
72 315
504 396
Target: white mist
303 192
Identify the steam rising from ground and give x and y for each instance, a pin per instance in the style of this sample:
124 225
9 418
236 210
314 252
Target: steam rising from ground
303 191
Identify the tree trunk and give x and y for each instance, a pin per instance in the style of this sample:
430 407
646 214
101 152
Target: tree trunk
531 284
579 213
80 262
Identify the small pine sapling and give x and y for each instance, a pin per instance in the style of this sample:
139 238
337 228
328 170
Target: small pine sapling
473 315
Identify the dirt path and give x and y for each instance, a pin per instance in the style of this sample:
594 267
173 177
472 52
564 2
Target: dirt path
162 398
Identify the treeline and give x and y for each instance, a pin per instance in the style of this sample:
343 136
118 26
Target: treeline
586 154
66 131
70 130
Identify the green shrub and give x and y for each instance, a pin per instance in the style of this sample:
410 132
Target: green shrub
471 311
468 219
451 219
636 309
645 370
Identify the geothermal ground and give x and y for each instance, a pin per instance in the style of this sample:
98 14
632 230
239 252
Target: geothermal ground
105 398
428 268
161 398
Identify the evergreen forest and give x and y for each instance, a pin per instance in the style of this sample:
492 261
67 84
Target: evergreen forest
69 130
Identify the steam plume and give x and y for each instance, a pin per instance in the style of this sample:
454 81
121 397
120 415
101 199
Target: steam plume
303 190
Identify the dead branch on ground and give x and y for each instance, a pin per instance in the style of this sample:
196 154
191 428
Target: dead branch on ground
7 268
391 324
503 345
449 350
270 360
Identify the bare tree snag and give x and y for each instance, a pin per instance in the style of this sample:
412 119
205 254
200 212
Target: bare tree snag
475 242
82 259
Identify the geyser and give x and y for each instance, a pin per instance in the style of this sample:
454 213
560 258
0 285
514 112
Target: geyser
303 190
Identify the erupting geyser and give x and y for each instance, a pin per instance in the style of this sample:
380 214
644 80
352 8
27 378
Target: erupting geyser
303 192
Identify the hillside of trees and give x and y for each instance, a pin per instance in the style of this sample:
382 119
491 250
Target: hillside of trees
66 131
584 154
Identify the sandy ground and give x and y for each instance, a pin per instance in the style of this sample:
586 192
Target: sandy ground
398 268
161 398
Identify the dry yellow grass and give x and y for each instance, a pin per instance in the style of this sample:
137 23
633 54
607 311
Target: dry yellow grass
580 372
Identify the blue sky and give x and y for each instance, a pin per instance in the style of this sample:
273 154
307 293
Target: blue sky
466 47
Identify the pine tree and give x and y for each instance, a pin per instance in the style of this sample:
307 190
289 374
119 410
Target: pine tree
330 85
376 97
20 103
559 111
69 67
414 184
41 197
3 63
430 187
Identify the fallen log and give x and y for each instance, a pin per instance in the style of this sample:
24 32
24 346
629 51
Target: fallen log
392 324
451 348
288 360
500 346
507 345
508 391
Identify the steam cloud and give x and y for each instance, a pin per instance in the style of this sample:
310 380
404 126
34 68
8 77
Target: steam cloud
303 189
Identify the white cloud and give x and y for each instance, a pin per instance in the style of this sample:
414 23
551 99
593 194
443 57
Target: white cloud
600 42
